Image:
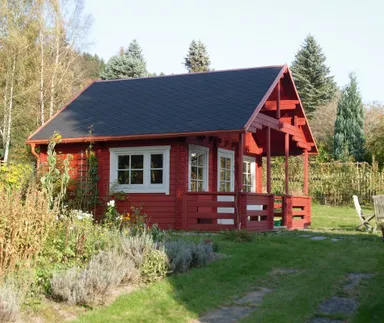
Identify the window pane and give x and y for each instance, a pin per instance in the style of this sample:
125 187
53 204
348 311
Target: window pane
200 159
227 175
193 159
222 174
200 173
156 177
157 161
228 163
193 186
227 186
222 186
200 186
244 167
137 161
193 173
123 177
137 177
123 162
245 179
222 162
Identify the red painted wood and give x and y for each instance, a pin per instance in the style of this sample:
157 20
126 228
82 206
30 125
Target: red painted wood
268 148
278 101
306 172
286 163
259 174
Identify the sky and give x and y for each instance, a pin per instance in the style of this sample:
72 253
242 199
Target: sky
246 33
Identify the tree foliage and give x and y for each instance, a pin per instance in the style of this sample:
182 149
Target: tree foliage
41 64
349 125
197 59
374 130
129 63
312 76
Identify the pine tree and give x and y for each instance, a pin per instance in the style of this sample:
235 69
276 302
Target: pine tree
349 126
129 63
314 84
197 59
134 50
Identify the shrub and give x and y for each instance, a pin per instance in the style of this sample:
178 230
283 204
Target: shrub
14 176
25 222
89 287
237 235
184 254
10 302
202 254
72 242
136 247
180 255
155 265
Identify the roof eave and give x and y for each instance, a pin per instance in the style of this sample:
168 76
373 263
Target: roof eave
133 137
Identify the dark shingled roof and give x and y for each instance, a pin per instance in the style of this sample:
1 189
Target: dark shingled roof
222 100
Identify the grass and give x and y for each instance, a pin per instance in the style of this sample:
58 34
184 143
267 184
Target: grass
322 267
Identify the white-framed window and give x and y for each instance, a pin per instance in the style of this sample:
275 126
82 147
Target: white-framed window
249 174
198 168
226 170
140 169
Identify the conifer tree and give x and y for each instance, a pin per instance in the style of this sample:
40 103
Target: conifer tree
314 84
129 63
197 59
349 126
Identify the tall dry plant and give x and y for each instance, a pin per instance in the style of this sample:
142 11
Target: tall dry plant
25 221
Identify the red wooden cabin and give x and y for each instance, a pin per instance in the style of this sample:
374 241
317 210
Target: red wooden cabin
189 148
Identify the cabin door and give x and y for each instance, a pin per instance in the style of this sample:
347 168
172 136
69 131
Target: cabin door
226 183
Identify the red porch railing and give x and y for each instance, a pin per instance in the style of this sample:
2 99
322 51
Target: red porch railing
215 211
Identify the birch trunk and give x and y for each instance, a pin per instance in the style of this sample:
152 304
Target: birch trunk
53 79
42 112
10 107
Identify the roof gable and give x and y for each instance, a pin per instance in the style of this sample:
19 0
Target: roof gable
188 103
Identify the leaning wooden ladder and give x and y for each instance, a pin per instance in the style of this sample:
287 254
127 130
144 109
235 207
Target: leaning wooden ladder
378 202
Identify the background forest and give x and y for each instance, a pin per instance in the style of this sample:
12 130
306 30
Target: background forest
44 63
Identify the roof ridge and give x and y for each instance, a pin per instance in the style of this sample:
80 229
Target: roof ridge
195 73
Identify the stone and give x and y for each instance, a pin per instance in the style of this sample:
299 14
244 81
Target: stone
227 314
324 320
335 239
242 307
354 279
338 305
253 298
283 271
318 238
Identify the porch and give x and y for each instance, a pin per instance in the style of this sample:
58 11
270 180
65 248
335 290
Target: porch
215 211
278 129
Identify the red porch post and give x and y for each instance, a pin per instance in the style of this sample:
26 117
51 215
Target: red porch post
239 187
269 160
259 174
305 172
286 147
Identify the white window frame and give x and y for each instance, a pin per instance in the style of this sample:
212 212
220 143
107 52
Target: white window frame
146 187
204 150
252 160
227 154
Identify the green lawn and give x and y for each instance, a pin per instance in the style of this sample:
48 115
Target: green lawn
322 267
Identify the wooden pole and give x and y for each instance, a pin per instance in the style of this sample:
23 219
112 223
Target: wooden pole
278 101
286 147
305 172
259 174
269 160
239 163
